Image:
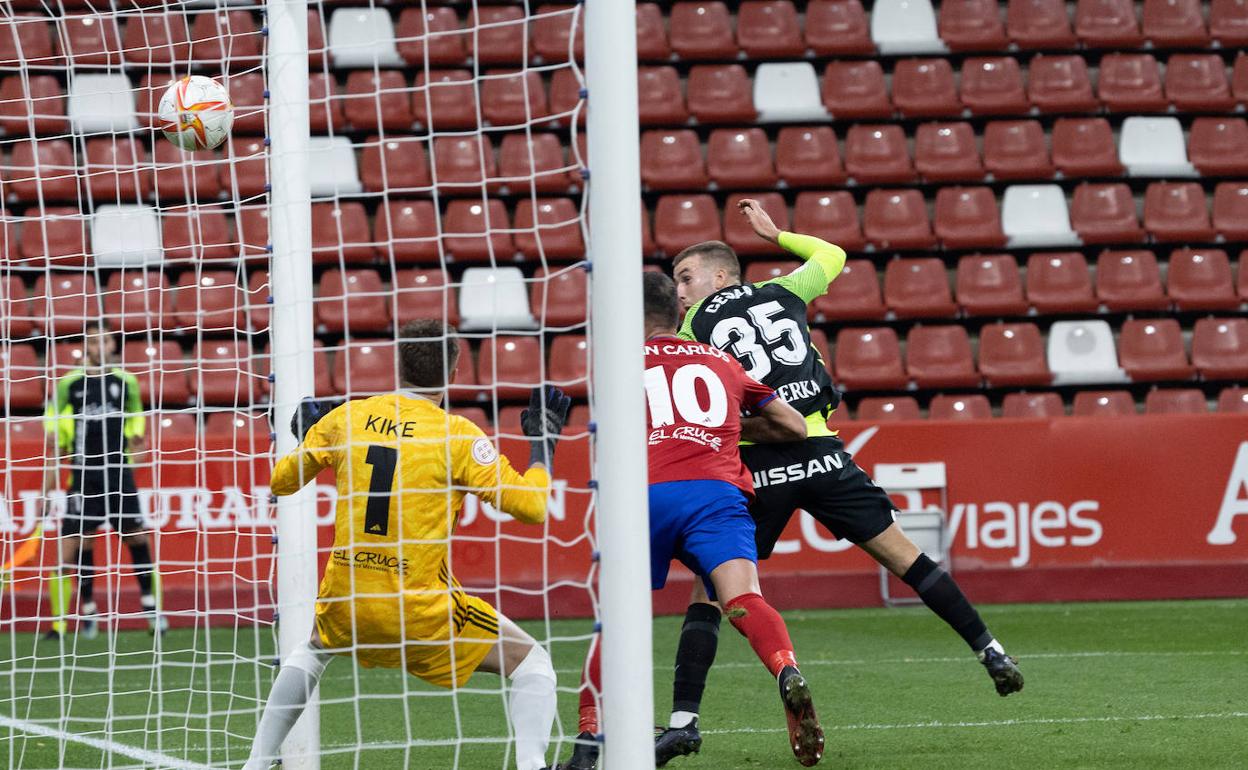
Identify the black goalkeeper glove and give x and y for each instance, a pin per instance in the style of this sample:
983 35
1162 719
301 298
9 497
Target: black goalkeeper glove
307 414
543 426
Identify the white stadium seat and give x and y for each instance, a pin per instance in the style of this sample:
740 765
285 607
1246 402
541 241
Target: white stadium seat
1082 352
1036 215
905 26
125 236
331 167
101 104
494 298
1154 147
362 37
786 93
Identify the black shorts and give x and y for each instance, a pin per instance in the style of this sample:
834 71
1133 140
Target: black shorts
818 476
99 497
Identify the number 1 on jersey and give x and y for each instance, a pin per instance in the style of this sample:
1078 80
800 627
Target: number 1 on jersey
384 460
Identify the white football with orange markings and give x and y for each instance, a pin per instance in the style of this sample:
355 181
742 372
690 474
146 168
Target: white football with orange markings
196 113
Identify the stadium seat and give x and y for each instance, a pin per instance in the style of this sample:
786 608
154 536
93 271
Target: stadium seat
23 379
924 88
888 409
683 220
1201 280
1032 405
1228 22
430 34
1084 147
183 176
737 231
380 100
1175 24
247 94
1150 146
423 294
855 90
947 152
155 39
32 104
494 298
757 272
1152 349
367 367
993 86
1129 280
511 365
568 367
877 154
560 296
26 37
672 160
1103 403
224 375
832 216
465 387
323 377
1177 211
101 103
196 233
533 162
252 225
362 292
660 97
550 33
854 295
1082 352
117 170
325 109
1242 286
477 232
968 218
1016 149
1013 355
513 99
567 98
648 246
972 25
990 285
807 156
1059 282
720 94
901 27
787 92
125 236
89 39
652 42
1219 146
363 37
701 30
1060 84
1105 213
1175 401
331 167
1233 400
245 172
837 28
223 39
407 231
769 29
940 357
210 301
1130 82
897 219
62 358
1107 24
55 236
1230 210
161 371
918 288
1198 82
869 359
242 431
340 233
16 319
462 164
1038 24
41 169
259 293
446 99
395 164
549 228
136 300
970 407
495 34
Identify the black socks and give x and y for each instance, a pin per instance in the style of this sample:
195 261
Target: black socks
942 596
141 556
699 639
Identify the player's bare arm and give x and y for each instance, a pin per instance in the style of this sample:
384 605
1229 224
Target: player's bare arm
760 220
776 422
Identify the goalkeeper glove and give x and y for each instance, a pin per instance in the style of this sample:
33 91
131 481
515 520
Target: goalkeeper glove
307 414
543 426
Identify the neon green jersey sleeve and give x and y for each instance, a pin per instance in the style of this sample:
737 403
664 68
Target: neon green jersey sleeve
686 326
824 263
58 415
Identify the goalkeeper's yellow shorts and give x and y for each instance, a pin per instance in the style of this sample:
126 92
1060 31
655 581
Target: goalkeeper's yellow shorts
440 637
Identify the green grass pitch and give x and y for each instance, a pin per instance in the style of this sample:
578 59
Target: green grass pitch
1142 685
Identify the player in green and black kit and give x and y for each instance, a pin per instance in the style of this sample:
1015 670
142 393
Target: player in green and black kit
95 419
763 325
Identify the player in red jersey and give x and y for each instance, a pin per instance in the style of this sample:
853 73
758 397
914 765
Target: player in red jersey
699 496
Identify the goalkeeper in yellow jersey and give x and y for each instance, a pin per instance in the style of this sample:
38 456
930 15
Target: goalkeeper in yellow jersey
403 466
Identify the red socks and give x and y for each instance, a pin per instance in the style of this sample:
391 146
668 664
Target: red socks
591 685
759 622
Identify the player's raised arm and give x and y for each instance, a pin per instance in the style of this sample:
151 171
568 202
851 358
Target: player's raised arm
311 457
823 261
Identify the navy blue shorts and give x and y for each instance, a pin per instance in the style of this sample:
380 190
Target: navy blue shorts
701 523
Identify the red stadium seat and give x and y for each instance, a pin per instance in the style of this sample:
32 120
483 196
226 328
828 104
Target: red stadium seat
889 409
366 367
740 158
648 246
245 172
737 231
137 300
1152 349
32 104
1013 355
429 34
568 367
446 99
970 407
1059 282
972 25
533 162
925 88
551 33
424 294
211 301
23 377
513 98
1103 403
769 29
62 358
1060 84
362 291
672 160
757 272
1228 22
660 97
325 107
225 374
832 216
41 168
701 30
1085 147
990 285
156 38
1175 24
869 359
918 288
465 387
837 28
854 295
510 365
477 232
250 105
1129 280
1016 149
323 384
1219 146
807 156
940 357
55 236
652 44
549 228
1177 211
720 94
244 431
462 164
1035 24
224 38
1107 24
117 170
878 155
1198 82
1032 405
1201 280
993 86
381 100
340 233
258 294
968 218
26 37
198 233
947 152
897 219
560 297
182 176
407 231
1175 401
161 370
1130 82
1233 400
16 318
499 34
395 164
1105 213
1242 286
89 39
683 220
1230 210
855 90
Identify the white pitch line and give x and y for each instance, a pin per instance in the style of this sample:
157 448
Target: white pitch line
994 723
142 755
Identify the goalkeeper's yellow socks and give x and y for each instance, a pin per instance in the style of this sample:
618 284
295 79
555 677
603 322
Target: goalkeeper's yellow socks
59 590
